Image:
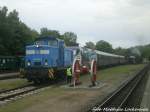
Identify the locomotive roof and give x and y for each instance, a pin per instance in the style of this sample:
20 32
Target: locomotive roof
73 47
47 38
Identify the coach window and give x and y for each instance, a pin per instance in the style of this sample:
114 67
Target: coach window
4 60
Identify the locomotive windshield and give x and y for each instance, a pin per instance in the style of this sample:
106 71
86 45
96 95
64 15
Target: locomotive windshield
28 52
50 43
31 52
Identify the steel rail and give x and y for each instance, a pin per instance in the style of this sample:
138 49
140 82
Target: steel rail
119 97
13 93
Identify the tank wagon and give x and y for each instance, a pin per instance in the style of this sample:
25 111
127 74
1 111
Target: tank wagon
45 58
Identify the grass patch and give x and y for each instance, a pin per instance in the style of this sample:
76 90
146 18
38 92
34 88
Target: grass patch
114 74
123 69
110 74
22 104
12 83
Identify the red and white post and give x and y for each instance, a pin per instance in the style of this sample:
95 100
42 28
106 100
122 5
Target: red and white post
76 71
93 72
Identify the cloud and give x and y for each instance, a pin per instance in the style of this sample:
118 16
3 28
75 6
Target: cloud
120 22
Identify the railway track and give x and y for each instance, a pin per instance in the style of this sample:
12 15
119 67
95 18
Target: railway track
5 72
117 101
5 76
14 94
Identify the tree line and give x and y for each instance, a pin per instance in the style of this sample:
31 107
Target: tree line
15 35
137 51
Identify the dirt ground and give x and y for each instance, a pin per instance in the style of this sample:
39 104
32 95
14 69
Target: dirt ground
63 98
72 101
79 99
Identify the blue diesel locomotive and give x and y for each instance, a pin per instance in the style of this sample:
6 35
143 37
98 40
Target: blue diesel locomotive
48 58
45 58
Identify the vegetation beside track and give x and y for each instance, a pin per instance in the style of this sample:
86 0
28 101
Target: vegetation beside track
111 74
53 97
114 74
12 83
21 104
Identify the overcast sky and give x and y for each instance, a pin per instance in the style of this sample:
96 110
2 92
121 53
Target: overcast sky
123 23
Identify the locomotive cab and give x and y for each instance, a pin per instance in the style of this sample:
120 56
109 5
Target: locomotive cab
44 56
45 53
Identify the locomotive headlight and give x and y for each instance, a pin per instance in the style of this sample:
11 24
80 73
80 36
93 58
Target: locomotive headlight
28 63
46 63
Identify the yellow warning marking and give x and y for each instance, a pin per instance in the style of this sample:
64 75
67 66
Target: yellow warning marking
51 73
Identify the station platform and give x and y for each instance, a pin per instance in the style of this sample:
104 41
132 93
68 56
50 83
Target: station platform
146 96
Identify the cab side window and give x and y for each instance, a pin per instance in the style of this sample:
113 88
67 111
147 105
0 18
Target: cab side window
53 43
